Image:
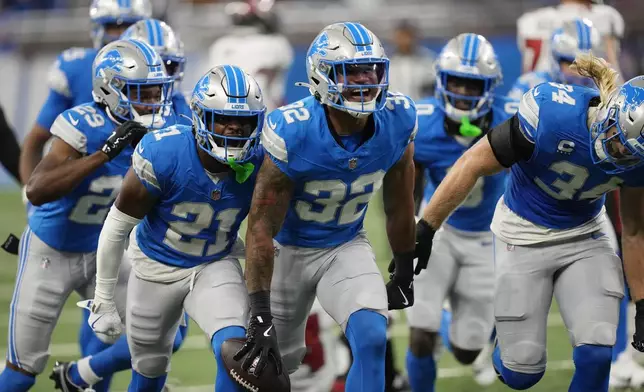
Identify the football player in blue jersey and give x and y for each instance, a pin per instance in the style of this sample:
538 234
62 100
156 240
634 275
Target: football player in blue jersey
73 188
188 191
462 265
576 36
566 147
70 78
168 45
327 155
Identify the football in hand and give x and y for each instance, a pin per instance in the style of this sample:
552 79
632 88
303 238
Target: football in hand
268 380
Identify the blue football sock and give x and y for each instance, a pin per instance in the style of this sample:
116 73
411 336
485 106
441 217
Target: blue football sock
223 382
592 368
181 334
140 383
367 335
15 381
113 359
421 372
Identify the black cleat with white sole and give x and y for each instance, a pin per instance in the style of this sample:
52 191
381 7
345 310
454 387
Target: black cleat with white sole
61 379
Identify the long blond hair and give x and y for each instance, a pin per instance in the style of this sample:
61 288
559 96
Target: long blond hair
606 79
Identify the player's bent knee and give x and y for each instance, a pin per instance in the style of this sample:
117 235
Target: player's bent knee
421 342
367 333
526 357
152 366
465 357
521 381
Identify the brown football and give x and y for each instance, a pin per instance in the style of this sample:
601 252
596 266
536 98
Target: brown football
268 381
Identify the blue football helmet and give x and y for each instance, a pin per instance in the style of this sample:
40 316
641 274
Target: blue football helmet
468 60
164 40
576 36
224 92
103 13
336 60
130 80
617 135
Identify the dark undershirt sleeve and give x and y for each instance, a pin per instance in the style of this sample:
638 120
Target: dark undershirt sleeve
508 143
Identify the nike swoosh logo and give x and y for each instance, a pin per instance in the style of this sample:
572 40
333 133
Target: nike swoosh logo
73 120
140 148
95 321
536 92
271 124
405 301
268 331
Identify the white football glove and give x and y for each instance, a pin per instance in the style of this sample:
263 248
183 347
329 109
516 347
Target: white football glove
104 319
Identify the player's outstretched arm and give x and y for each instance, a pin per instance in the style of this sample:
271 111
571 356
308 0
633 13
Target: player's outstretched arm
273 191
480 160
632 204
132 204
476 162
398 198
60 171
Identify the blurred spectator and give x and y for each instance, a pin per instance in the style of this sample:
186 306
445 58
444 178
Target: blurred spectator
24 5
411 68
255 44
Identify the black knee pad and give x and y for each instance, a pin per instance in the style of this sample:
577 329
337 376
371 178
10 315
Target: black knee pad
421 342
465 357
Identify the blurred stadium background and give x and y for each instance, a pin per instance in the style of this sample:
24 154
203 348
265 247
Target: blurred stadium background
33 32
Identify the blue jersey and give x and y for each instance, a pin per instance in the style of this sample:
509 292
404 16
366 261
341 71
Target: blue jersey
528 81
560 187
70 84
437 151
195 219
73 222
332 184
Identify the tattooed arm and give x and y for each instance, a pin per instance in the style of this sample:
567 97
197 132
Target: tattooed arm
271 198
273 191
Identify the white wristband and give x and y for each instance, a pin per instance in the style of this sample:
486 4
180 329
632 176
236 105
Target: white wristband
111 245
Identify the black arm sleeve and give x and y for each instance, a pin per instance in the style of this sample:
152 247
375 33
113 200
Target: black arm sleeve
9 147
508 143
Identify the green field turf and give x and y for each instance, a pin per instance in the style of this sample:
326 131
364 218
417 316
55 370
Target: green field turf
193 367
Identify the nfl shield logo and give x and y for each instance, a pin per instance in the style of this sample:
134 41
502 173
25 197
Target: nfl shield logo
353 162
215 195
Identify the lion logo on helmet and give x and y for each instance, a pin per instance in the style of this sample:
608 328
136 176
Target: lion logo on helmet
201 89
319 45
112 60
